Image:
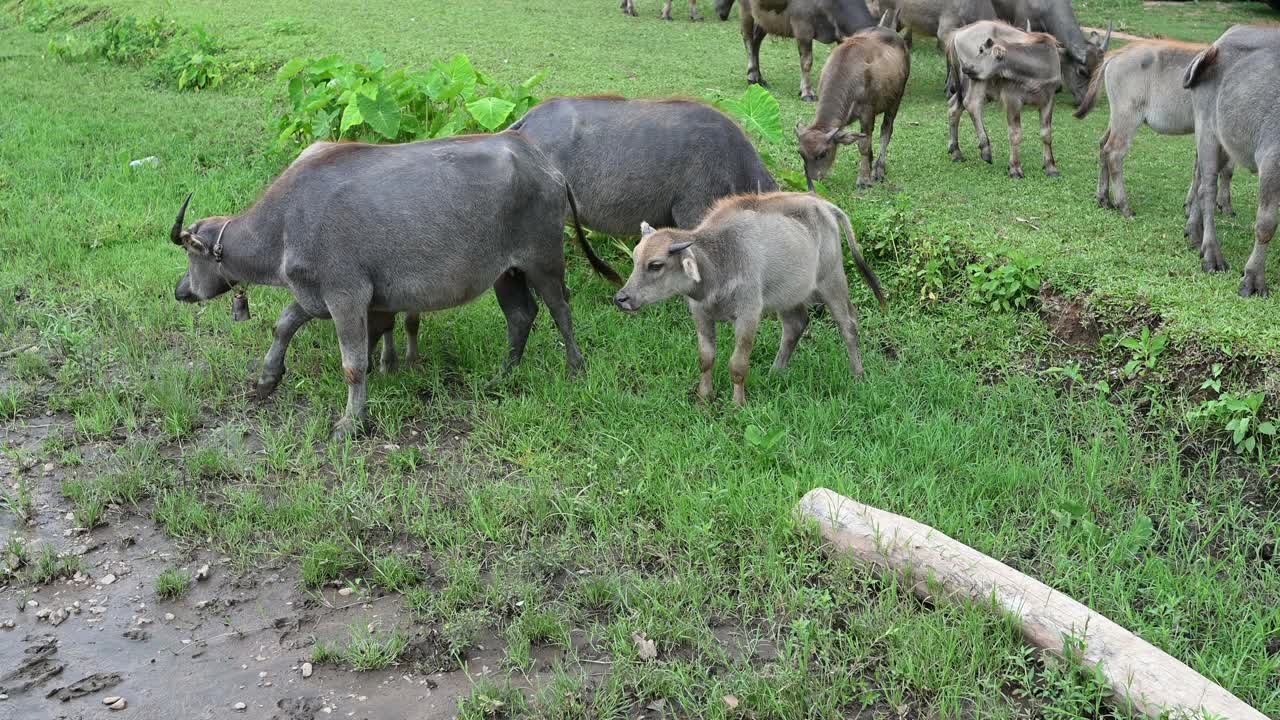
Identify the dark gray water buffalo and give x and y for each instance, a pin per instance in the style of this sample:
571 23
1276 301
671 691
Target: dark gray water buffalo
360 232
826 21
938 18
631 161
629 8
1081 55
752 255
991 59
865 76
1235 86
1144 81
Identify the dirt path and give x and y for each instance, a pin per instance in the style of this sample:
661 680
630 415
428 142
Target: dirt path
233 638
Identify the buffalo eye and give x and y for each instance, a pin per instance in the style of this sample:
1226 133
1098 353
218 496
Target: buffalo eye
655 266
822 155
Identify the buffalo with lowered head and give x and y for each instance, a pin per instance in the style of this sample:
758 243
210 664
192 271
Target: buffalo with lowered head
1080 55
360 232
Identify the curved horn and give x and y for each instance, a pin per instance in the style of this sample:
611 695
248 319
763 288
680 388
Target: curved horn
1106 41
176 233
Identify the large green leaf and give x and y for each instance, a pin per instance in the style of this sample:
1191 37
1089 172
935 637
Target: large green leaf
758 112
490 112
292 67
381 112
350 118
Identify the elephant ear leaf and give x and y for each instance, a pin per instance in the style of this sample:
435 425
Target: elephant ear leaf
758 112
381 112
490 112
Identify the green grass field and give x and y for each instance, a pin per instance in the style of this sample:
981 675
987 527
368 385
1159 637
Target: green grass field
538 508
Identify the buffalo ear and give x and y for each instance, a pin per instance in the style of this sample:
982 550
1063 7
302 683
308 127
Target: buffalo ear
998 52
690 265
848 137
195 244
646 229
1199 64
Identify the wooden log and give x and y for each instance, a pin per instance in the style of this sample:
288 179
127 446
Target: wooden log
1148 679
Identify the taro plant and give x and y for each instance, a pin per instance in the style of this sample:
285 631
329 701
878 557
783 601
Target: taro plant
1008 283
331 98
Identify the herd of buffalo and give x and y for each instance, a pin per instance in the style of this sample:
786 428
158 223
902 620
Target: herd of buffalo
360 232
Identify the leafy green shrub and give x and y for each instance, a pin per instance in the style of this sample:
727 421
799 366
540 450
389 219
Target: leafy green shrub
331 98
1008 283
933 264
39 15
1144 350
185 58
1237 416
883 229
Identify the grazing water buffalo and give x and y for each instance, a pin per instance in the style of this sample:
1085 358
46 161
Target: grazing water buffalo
938 18
631 161
1144 82
751 255
359 232
865 76
993 59
826 21
629 8
1235 87
1082 55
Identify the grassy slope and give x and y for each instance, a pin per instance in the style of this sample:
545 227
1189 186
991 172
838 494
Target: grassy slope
681 525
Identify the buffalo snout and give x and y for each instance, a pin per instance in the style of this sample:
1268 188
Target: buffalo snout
183 293
624 302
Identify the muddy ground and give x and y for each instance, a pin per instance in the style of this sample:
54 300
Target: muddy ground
238 636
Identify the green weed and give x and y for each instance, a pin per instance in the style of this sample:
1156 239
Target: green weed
1008 283
50 566
369 650
172 584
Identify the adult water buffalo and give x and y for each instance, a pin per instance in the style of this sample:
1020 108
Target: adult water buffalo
826 21
1081 55
360 232
1235 86
1144 81
664 162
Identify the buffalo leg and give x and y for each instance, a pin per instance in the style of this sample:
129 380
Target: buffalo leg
353 338
706 353
1013 109
1046 137
836 296
382 327
550 286
694 15
411 324
1103 195
1224 188
806 69
292 318
794 322
1202 225
744 339
1114 150
517 304
666 11
1265 229
954 111
886 133
752 36
867 125
629 8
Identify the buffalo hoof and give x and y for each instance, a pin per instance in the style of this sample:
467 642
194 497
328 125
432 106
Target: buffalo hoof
1104 202
1227 210
265 388
1213 262
878 176
808 97
1126 211
864 183
696 18
1016 173
757 79
956 155
1253 285
666 17
347 428
986 156
1052 172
